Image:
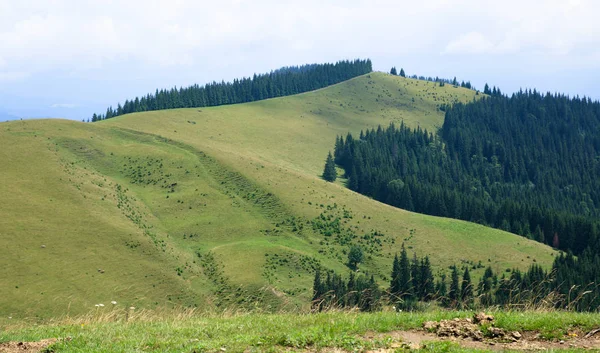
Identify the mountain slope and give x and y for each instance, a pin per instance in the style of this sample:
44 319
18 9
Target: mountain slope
179 206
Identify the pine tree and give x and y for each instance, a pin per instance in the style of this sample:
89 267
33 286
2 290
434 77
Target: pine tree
318 291
427 281
404 277
338 150
353 295
414 276
402 72
538 234
486 89
466 289
454 294
442 289
395 281
485 287
393 71
329 173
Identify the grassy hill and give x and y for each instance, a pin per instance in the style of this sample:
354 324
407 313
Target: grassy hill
178 207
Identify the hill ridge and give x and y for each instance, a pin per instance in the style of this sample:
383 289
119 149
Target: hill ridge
274 146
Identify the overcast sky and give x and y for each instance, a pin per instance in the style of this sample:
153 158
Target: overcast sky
71 58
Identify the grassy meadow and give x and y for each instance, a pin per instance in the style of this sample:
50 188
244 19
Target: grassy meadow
209 207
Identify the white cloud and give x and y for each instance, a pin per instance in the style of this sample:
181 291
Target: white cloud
470 43
79 50
73 35
557 28
64 105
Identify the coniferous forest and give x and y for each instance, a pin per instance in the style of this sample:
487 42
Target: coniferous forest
528 164
282 82
572 284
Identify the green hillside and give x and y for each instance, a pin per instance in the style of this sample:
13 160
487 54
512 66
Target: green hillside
176 207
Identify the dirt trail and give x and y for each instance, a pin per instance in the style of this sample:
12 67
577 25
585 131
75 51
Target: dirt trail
530 341
25 347
480 333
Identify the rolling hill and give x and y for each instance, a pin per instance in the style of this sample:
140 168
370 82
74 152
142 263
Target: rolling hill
214 206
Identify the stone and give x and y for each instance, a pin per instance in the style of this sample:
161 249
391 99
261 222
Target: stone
496 332
482 318
430 325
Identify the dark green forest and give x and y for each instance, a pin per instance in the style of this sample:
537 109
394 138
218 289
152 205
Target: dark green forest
282 82
528 164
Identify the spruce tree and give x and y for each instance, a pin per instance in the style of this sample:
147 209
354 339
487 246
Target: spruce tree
441 289
486 283
318 291
353 295
402 72
329 173
404 277
317 286
415 270
454 293
395 281
393 71
427 281
466 289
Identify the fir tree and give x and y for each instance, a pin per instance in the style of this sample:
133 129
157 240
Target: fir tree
395 281
329 173
442 290
404 277
427 281
454 293
402 72
466 289
393 71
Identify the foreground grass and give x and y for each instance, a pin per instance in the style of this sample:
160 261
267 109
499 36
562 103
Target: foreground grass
193 332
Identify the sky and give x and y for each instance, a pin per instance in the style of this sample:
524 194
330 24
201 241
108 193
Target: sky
71 58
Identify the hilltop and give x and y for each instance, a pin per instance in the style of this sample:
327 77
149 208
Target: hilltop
217 205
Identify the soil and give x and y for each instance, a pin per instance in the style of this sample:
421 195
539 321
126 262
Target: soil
529 341
480 333
25 347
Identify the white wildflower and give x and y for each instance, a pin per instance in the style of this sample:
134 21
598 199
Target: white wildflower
100 304
113 302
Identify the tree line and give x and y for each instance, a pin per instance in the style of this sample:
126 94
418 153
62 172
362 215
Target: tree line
528 164
572 284
441 81
282 82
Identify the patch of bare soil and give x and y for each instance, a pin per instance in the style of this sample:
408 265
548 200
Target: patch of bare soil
480 333
25 347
